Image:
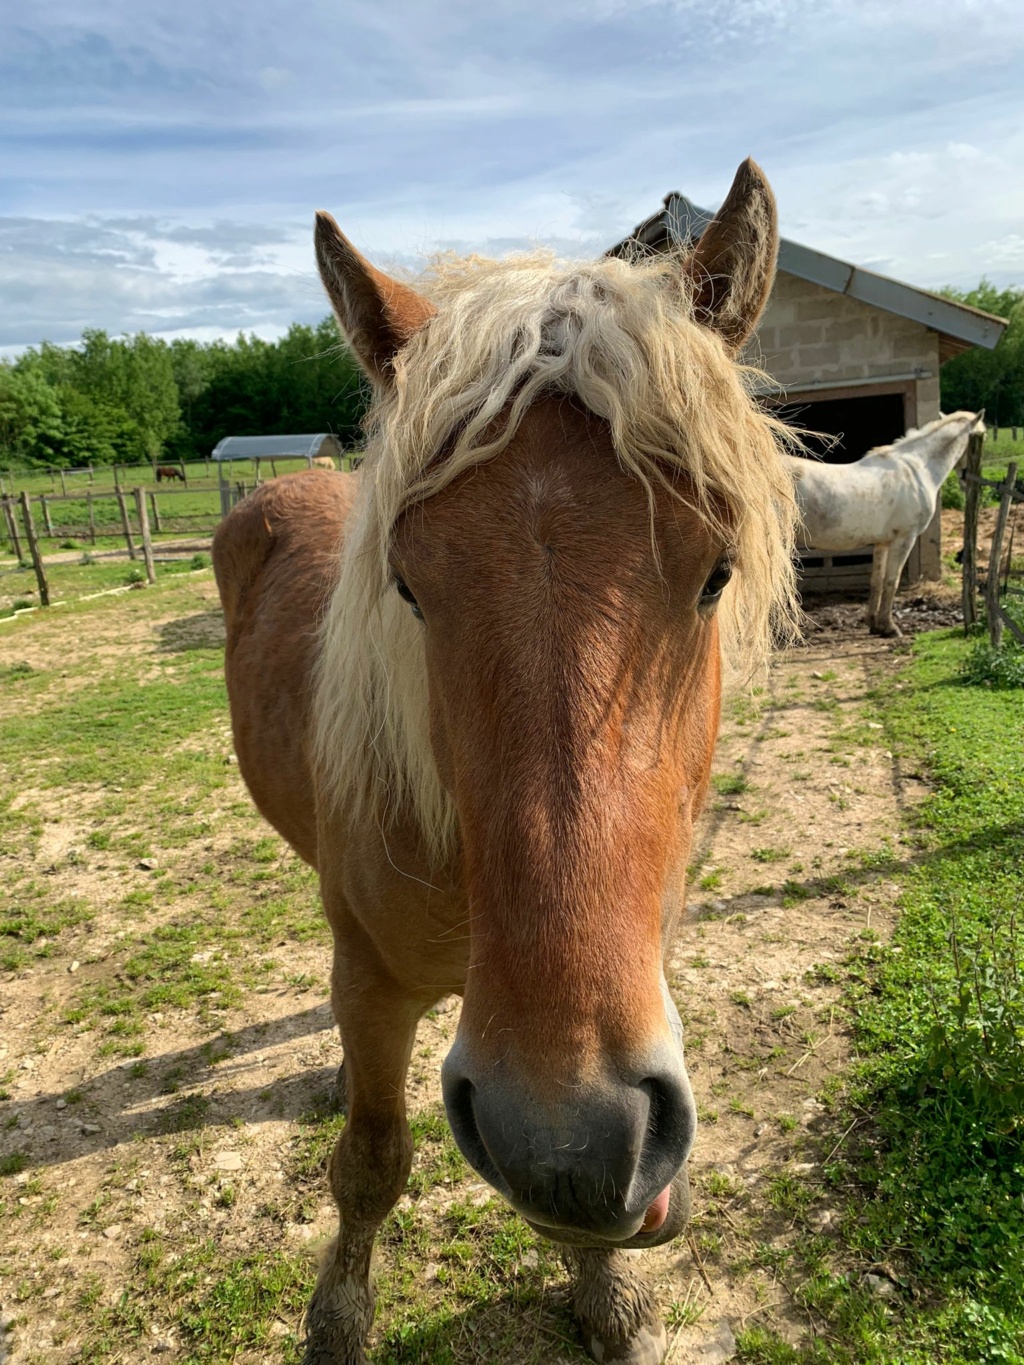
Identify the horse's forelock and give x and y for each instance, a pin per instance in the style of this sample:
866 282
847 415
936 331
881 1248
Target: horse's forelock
622 339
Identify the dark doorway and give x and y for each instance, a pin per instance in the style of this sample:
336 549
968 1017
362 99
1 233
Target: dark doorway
856 424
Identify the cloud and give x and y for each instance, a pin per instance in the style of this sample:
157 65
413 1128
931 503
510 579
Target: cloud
275 77
57 278
161 162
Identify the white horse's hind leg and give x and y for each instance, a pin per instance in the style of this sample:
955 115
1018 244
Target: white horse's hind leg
877 574
899 553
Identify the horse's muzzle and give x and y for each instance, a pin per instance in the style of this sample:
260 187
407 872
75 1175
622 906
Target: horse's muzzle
583 1168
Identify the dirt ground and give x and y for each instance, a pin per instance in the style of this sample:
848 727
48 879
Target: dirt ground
794 863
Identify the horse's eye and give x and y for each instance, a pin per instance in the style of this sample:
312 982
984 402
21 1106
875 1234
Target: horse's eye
720 576
405 593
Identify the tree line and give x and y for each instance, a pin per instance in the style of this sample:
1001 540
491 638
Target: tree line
133 399
993 380
136 398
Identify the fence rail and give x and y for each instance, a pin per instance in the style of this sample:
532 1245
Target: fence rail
28 520
127 476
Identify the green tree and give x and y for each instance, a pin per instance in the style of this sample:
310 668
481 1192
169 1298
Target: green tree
31 422
132 398
120 390
993 380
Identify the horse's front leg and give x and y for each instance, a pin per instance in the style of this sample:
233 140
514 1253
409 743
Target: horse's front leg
877 576
615 1307
370 1163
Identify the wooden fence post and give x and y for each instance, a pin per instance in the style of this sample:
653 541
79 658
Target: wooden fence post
126 525
147 544
46 515
156 513
995 617
63 484
972 501
37 563
12 529
92 516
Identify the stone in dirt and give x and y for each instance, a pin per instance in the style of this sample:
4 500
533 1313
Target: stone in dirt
879 1285
721 1347
146 864
228 1161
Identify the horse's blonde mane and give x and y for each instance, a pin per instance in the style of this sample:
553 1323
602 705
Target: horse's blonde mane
622 338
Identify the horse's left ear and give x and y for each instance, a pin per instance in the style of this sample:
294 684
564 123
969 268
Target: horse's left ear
732 267
376 313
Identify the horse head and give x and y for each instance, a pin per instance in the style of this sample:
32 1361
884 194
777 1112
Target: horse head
565 472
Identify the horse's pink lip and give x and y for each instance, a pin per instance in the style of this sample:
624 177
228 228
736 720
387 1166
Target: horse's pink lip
657 1212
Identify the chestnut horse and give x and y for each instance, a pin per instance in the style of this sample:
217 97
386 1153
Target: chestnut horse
170 471
476 686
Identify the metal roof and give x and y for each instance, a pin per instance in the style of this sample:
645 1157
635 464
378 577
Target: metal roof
276 447
681 221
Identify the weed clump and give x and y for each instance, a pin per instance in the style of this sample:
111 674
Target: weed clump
953 492
976 1044
988 667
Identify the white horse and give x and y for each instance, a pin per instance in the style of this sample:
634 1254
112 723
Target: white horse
885 499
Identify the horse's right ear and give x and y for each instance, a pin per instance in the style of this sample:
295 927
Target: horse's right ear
376 313
732 267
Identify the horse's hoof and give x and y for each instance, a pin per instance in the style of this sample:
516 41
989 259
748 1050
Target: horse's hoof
337 1324
648 1347
327 1353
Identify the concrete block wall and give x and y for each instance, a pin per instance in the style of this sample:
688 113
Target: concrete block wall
809 334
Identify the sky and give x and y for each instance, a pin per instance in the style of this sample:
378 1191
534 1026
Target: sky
160 162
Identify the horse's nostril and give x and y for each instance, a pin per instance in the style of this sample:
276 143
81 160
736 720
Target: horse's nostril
671 1124
670 1117
458 1101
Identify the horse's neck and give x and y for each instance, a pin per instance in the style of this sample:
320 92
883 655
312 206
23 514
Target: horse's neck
938 461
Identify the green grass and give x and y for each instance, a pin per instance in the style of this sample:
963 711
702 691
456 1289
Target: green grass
216 1305
125 729
769 855
69 581
30 920
944 1020
933 1176
730 784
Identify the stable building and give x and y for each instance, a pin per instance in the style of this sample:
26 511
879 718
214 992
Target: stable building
850 354
310 448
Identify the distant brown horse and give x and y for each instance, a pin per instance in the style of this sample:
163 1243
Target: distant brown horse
488 720
170 471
